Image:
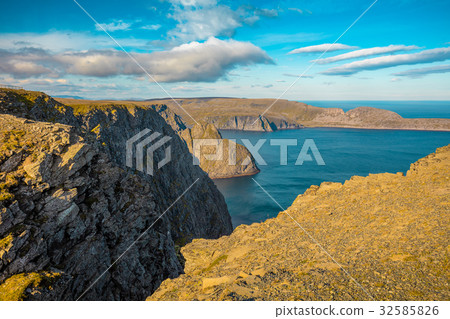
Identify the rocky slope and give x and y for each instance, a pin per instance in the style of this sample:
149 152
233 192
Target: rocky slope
69 206
284 114
389 232
241 164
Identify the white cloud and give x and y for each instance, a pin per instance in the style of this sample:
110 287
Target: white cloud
329 47
207 61
420 72
192 88
271 13
62 41
301 11
305 76
367 52
194 3
264 86
426 56
152 27
296 10
203 23
42 81
202 19
113 26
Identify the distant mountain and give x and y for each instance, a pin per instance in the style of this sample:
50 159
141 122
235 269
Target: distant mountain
271 114
70 97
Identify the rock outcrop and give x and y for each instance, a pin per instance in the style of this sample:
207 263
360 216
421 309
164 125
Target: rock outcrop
389 232
69 206
242 123
235 159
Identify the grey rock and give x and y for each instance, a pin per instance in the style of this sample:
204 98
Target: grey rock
78 208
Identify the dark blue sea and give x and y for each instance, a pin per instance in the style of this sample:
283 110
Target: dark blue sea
411 109
346 152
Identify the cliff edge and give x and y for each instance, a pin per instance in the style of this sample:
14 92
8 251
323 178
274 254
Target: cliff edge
389 232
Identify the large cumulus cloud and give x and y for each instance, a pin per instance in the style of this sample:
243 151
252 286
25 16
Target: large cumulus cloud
195 61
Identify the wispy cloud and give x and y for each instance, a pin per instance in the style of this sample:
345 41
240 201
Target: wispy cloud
152 27
287 38
265 86
301 11
366 52
329 47
420 72
191 88
305 76
426 56
270 13
62 41
118 25
207 61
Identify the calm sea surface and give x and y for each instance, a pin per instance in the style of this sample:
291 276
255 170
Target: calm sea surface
411 109
346 152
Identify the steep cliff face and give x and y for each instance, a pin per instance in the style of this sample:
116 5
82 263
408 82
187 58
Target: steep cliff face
69 210
388 231
234 160
251 123
70 206
281 124
241 164
243 123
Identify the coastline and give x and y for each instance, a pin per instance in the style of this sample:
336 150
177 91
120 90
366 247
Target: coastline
351 127
380 128
236 176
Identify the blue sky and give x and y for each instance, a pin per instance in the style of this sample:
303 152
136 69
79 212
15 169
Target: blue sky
399 50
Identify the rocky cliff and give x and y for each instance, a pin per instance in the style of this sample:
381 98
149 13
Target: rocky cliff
234 159
389 232
241 164
70 207
242 123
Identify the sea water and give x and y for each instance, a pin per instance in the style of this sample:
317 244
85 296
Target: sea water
346 152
